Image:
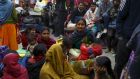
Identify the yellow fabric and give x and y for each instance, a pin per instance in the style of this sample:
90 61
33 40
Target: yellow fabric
59 41
8 36
56 67
79 65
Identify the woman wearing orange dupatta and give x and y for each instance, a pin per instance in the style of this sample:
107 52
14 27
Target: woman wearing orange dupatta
56 65
8 19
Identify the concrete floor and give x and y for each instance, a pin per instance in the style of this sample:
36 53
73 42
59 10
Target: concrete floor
111 56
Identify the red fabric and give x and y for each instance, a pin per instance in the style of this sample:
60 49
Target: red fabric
34 59
88 1
48 43
24 39
13 70
96 48
84 52
76 2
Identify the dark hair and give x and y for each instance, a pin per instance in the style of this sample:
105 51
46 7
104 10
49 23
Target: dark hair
45 28
104 61
82 20
67 41
29 28
39 49
81 3
94 3
17 5
49 4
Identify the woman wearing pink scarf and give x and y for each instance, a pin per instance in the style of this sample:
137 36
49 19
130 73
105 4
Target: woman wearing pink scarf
13 70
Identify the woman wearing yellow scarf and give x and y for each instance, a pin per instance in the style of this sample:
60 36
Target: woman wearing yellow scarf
56 65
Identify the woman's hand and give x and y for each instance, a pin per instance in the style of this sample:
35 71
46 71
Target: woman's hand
100 70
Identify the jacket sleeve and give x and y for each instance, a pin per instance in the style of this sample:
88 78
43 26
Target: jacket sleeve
122 15
72 17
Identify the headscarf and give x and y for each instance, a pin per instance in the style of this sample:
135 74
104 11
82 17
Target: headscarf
6 7
13 70
57 59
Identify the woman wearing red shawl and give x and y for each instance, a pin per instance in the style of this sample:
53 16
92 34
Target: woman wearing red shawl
13 70
45 38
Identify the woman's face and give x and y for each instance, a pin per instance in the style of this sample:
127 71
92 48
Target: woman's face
13 64
93 7
45 34
21 3
33 31
80 25
81 6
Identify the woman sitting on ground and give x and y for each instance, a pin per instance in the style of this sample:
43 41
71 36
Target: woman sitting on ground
81 33
35 62
45 38
103 69
57 65
13 70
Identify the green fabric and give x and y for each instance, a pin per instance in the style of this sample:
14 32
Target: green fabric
80 64
13 18
79 38
22 53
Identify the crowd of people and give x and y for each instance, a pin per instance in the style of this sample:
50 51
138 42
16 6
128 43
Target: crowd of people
68 39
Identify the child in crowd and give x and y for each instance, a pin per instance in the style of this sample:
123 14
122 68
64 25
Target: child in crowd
13 70
91 17
103 69
30 31
35 61
45 38
31 43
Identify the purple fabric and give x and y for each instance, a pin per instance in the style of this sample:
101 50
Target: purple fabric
3 50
